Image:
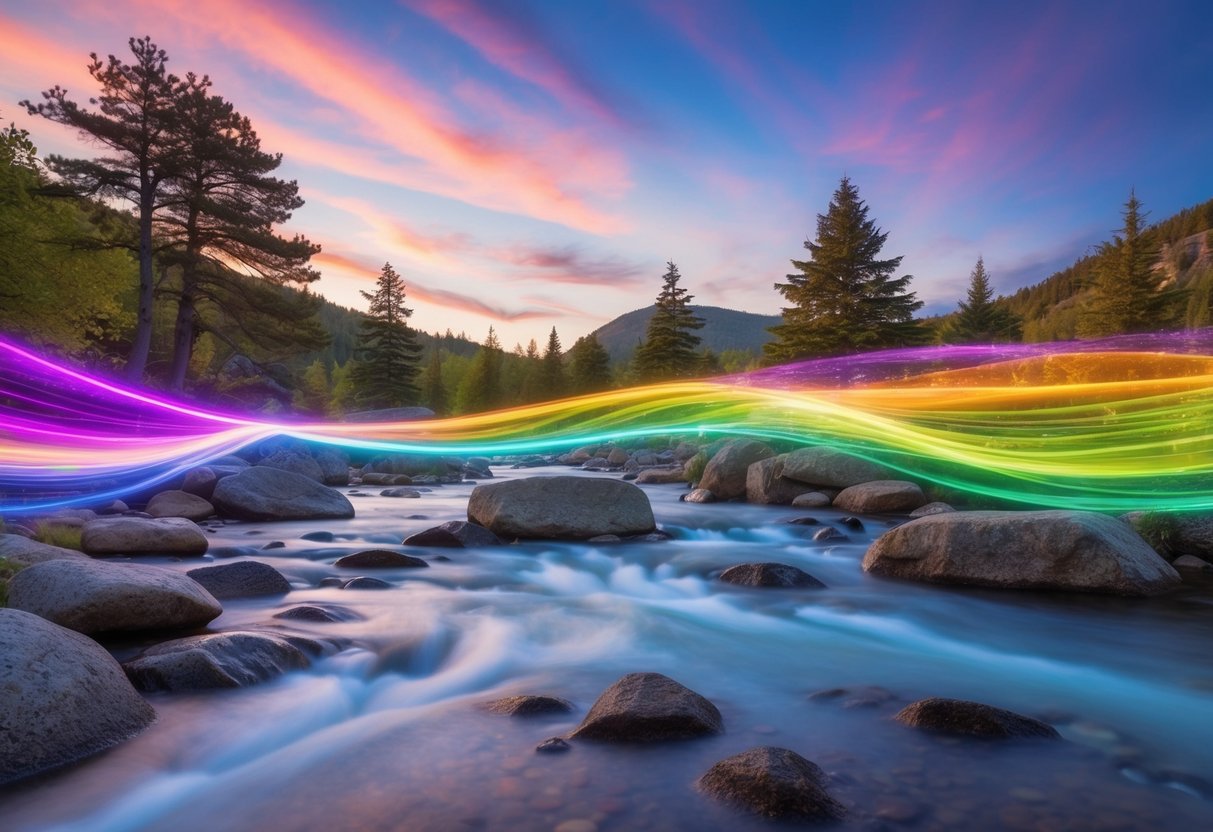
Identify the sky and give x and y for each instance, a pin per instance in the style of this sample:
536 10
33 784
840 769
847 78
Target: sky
531 164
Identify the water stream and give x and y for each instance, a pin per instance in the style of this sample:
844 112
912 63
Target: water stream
386 732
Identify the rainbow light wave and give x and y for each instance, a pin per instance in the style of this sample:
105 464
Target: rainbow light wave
1108 425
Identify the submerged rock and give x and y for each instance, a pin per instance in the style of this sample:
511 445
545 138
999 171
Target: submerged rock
773 782
881 497
262 493
553 745
699 495
142 536
573 508
218 660
1050 550
768 575
380 559
365 583
726 472
246 579
62 697
972 719
454 534
529 705
315 614
649 707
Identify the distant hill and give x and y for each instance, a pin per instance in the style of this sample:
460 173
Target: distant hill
723 329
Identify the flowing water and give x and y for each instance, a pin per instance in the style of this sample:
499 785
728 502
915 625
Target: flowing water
387 732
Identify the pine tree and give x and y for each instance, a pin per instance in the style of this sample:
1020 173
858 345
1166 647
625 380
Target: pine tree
669 349
481 388
844 299
388 354
135 109
552 377
591 365
980 319
433 391
312 395
1127 293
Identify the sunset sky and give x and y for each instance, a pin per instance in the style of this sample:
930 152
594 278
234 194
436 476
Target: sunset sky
529 164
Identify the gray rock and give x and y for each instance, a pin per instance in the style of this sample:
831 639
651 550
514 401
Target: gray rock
573 508
617 457
403 493
62 697
201 481
1192 562
700 495
649 707
662 476
180 504
295 462
366 583
115 507
334 466
379 559
1049 550
725 473
530 705
246 579
553 745
140 536
972 719
454 534
881 497
765 483
768 575
597 463
314 614
263 493
828 533
91 596
774 783
25 552
823 465
811 499
217 660
685 451
932 508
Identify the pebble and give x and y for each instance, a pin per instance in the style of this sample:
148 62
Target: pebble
553 745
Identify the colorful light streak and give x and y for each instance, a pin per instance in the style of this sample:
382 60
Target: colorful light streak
1110 425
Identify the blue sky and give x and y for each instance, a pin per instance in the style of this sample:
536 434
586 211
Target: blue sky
530 164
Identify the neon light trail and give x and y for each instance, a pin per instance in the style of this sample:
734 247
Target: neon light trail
1116 424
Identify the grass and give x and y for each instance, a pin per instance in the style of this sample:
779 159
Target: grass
1160 530
694 467
7 570
57 534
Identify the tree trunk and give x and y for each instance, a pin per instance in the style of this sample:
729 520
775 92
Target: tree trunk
137 362
183 340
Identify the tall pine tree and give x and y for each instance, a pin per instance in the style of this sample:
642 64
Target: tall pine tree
388 351
844 298
670 347
980 320
481 388
433 389
552 375
590 369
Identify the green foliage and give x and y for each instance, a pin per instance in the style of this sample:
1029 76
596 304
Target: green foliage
387 363
693 470
7 570
1160 530
553 382
341 397
312 395
981 320
433 391
844 299
1200 299
58 534
481 388
670 347
591 366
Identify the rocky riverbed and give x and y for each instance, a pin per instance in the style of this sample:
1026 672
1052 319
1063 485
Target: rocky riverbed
369 705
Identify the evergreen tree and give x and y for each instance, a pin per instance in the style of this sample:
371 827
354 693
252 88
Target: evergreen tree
341 398
481 388
387 361
590 365
844 299
552 378
529 369
1127 293
312 395
980 319
133 121
433 391
669 349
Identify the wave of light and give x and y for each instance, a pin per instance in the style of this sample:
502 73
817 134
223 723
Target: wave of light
1115 424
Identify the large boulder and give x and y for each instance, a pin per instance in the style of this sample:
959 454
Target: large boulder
765 483
780 575
296 462
572 508
62 697
245 579
180 504
773 782
725 473
142 536
823 465
334 466
649 707
881 497
217 660
1050 550
264 493
25 552
91 596
454 534
972 719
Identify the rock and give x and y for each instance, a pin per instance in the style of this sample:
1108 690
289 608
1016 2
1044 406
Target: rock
246 579
372 478
685 450
561 508
617 457
380 559
811 499
91 596
972 719
661 476
1192 562
852 523
828 533
773 782
366 583
765 483
406 493
768 575
314 614
823 465
699 495
295 462
62 697
319 537
180 504
530 706
112 508
553 745
802 521
217 660
200 482
390 414
597 463
1049 550
454 534
138 536
932 508
264 493
725 473
236 463
881 497
25 552
649 707
867 696
334 466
